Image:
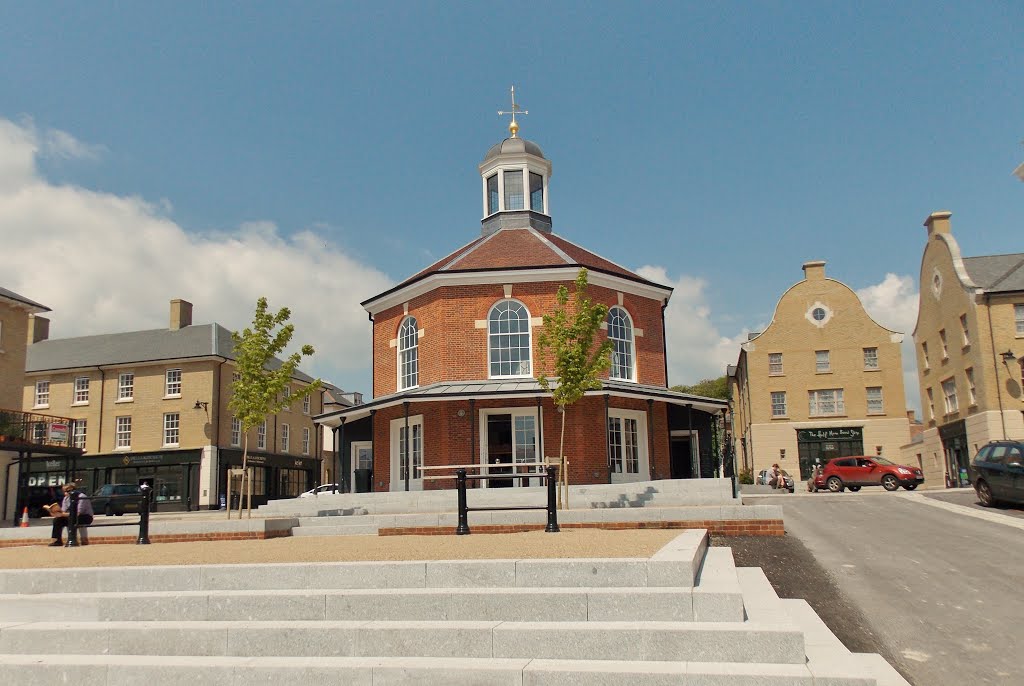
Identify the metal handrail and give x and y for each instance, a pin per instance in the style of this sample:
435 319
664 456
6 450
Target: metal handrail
463 526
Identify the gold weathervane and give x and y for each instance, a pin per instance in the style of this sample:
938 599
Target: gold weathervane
513 127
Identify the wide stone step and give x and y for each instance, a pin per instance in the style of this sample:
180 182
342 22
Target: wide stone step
428 604
129 670
336 530
629 641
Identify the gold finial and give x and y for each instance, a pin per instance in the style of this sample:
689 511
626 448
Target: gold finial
513 127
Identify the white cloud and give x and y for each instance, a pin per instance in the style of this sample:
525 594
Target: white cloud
696 349
107 263
893 304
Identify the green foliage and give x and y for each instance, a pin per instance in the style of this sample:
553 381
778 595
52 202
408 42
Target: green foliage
707 388
746 476
569 336
259 390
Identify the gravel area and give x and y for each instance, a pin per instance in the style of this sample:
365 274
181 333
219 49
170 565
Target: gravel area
534 544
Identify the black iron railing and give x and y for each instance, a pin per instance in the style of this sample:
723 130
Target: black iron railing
145 501
17 427
461 478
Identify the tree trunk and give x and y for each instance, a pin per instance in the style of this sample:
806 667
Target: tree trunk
245 475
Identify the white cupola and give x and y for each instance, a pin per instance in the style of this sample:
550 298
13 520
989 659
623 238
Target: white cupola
514 177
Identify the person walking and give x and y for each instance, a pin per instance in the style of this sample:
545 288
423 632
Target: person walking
61 512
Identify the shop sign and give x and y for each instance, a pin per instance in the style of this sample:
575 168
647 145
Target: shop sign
59 432
54 464
853 433
142 460
46 480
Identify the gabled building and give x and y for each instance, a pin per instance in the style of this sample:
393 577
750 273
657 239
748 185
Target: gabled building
823 380
969 341
455 358
153 406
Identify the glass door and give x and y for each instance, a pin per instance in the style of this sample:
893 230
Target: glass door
509 437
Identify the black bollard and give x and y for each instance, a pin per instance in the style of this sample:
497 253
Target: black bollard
73 521
144 507
552 527
463 528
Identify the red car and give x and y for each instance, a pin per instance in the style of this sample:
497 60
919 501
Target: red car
855 472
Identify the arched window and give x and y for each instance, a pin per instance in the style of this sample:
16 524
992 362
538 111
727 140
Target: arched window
508 339
620 332
408 354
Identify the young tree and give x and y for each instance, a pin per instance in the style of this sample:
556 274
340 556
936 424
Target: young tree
258 391
569 336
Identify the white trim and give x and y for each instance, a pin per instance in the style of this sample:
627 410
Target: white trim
529 336
632 346
396 426
643 472
399 351
355 446
694 437
514 412
501 277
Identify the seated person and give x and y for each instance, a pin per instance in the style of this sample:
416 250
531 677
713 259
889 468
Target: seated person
60 513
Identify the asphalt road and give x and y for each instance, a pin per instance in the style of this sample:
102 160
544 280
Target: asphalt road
938 592
968 498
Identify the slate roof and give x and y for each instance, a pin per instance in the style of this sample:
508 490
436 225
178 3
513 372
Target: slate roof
133 347
453 390
11 295
997 273
519 249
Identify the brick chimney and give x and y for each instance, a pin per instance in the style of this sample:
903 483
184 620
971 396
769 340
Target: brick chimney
38 329
938 222
181 314
815 270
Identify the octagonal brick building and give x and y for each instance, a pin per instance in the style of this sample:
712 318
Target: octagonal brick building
455 360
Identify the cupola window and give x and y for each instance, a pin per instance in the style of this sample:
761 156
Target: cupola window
514 198
408 354
620 331
536 192
492 194
508 339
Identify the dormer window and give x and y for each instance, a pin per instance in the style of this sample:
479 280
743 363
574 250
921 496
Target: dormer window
514 189
536 192
492 194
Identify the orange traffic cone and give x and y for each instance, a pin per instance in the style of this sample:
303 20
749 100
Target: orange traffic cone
24 517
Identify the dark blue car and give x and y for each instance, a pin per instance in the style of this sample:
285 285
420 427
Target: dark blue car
998 472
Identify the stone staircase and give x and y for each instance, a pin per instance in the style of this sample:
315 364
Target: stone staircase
686 615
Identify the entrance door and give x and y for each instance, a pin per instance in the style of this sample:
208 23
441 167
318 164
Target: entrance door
627 446
509 437
362 467
681 458
407 446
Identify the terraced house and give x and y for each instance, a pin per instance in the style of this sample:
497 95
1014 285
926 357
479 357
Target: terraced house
823 380
969 341
153 406
455 359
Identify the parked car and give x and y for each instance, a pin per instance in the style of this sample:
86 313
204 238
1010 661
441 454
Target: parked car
116 499
326 488
763 479
998 472
862 470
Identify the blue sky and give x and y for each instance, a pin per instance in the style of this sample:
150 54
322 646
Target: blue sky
208 146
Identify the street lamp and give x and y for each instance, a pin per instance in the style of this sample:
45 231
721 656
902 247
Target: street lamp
201 405
1008 357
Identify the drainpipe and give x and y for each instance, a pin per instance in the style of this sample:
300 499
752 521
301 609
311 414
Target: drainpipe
540 430
995 365
339 460
664 341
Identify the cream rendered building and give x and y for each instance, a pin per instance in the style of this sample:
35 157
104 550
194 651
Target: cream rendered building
969 342
822 380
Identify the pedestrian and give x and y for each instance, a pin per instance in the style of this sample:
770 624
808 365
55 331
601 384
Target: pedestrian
775 478
60 513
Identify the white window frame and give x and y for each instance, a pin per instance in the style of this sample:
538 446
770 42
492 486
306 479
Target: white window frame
408 353
354 463
628 344
924 355
529 338
416 431
81 392
80 434
123 433
126 387
1018 319
949 395
306 403
516 412
816 398
822 362
172 429
871 359
42 394
945 346
875 405
305 440
965 330
261 435
286 437
972 391
775 364
286 397
931 404
775 406
172 383
236 431
643 472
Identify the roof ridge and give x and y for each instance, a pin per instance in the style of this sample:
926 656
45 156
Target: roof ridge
470 248
577 245
1008 273
554 248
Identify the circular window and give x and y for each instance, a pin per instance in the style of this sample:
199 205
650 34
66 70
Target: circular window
818 313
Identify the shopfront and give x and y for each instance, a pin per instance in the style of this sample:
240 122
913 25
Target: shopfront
274 476
954 447
173 476
818 446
